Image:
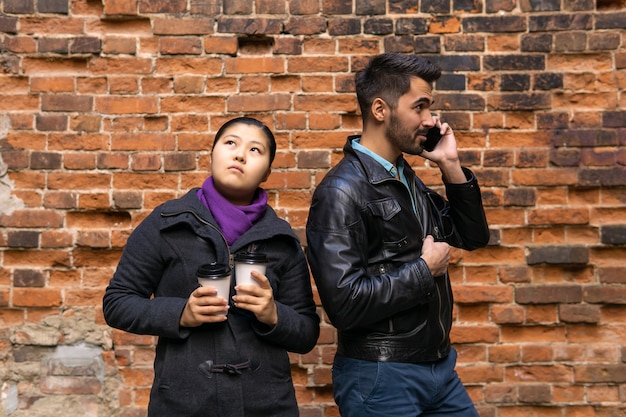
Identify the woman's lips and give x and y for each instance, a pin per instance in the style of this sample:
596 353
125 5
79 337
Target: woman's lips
235 168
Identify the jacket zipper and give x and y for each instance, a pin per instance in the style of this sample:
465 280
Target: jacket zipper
390 326
443 332
425 208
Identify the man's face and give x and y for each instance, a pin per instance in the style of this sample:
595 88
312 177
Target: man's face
411 119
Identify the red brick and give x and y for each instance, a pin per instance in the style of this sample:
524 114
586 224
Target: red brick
507 314
85 123
59 84
32 218
258 103
532 334
60 200
221 45
143 142
78 181
52 65
119 65
71 141
131 181
181 46
119 46
123 85
310 25
83 297
97 258
288 180
137 377
192 104
121 7
474 334
56 239
611 373
482 294
192 65
94 201
325 65
185 26
79 161
145 162
255 85
254 65
36 297
189 85
507 353
126 105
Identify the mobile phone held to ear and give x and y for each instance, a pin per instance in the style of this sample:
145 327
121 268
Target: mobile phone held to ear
432 139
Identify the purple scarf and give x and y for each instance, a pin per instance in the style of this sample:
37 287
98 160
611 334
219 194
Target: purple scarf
233 220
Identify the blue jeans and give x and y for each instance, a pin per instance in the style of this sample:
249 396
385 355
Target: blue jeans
384 389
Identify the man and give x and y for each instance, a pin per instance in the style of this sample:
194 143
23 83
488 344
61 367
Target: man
379 244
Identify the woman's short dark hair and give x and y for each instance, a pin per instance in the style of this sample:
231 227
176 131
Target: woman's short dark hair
252 122
388 76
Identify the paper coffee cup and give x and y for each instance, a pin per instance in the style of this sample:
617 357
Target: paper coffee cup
247 262
217 276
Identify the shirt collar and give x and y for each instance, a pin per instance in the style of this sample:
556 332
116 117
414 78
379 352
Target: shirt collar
388 166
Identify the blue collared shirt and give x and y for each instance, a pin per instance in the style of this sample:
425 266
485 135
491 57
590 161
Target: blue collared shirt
389 167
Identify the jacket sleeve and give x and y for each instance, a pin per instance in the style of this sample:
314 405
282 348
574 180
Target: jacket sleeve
128 303
298 327
336 238
467 213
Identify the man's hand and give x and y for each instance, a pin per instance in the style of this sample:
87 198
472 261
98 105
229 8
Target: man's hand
436 255
204 306
258 300
446 154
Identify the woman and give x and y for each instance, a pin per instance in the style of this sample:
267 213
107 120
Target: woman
218 357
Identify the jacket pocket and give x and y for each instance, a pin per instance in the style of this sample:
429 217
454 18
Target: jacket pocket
385 208
388 227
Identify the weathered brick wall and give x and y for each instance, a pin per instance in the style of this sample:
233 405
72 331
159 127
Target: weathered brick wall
108 108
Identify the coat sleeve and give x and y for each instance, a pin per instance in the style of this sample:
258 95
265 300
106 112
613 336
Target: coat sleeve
297 328
337 246
128 302
467 213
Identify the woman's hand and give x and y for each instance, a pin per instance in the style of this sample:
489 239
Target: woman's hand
258 300
204 306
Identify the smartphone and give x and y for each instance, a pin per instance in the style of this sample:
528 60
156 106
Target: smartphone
432 138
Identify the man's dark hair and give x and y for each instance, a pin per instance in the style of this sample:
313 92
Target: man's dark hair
252 122
388 76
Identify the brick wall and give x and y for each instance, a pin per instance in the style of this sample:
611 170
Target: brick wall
108 107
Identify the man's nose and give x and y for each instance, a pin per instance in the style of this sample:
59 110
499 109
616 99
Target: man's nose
428 120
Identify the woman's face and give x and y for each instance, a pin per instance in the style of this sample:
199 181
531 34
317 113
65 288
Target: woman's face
240 162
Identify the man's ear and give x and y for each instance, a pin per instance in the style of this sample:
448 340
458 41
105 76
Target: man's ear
379 109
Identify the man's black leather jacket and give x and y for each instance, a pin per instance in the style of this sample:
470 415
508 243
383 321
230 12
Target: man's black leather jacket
364 246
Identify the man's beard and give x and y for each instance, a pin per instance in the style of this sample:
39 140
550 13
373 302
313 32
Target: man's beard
404 139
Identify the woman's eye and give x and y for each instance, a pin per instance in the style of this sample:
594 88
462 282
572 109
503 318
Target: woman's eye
255 150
